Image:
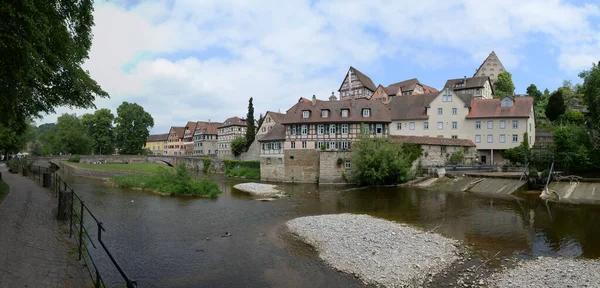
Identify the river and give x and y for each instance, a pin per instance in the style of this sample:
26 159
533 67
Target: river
177 242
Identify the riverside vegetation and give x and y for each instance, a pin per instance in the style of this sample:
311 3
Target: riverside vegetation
242 169
178 181
3 190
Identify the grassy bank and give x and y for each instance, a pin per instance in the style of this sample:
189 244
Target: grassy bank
242 169
169 181
135 167
3 190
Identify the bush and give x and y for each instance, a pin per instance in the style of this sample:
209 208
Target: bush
323 147
206 164
533 173
518 155
177 181
238 146
457 157
545 174
243 169
344 176
230 164
74 159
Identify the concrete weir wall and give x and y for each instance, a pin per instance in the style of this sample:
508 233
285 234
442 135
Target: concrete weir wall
478 185
575 192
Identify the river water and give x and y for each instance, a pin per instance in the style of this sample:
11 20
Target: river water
177 242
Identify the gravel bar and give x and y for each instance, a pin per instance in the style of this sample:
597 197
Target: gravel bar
258 189
379 252
549 272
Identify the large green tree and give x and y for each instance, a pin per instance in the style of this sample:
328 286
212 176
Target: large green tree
99 127
238 146
591 96
533 92
43 44
132 127
68 136
504 86
556 105
251 125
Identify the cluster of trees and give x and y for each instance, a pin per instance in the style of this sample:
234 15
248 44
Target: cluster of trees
97 133
43 45
575 135
241 144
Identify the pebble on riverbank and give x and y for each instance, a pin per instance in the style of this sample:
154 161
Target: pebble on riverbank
377 251
549 272
259 189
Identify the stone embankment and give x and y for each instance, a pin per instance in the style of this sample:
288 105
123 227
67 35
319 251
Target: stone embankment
379 252
549 272
259 189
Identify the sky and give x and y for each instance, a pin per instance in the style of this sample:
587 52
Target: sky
195 60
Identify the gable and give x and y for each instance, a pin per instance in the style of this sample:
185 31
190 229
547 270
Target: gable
363 79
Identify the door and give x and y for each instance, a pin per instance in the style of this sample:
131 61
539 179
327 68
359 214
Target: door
483 159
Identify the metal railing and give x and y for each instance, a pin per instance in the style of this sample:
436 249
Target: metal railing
80 216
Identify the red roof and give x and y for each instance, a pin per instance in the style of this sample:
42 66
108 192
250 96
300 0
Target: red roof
490 108
432 141
207 127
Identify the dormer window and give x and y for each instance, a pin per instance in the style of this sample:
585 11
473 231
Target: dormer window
366 112
447 97
506 102
305 114
344 113
324 113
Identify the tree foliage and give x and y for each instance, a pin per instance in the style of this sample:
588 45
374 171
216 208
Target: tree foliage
132 127
504 86
238 146
378 161
42 47
99 127
572 147
573 117
533 92
251 125
259 122
68 136
591 96
518 155
10 141
556 105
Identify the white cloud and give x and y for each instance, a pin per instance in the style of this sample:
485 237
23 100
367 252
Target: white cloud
195 60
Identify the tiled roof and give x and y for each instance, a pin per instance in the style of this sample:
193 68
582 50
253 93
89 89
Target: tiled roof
178 130
277 117
429 89
191 125
364 79
208 127
408 107
157 137
276 133
379 111
406 85
432 141
233 121
490 108
473 82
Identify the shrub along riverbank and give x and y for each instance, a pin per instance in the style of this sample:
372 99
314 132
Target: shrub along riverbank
170 181
242 169
3 190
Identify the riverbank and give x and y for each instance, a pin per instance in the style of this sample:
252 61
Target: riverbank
106 171
377 251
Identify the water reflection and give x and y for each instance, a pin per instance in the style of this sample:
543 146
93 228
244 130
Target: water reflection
163 240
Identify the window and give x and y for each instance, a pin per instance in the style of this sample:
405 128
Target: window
454 136
305 114
280 160
440 125
359 91
490 138
515 124
345 145
332 128
477 124
515 138
447 97
477 138
379 92
490 124
454 125
320 129
425 125
344 112
348 164
502 138
331 145
399 126
303 144
366 112
293 132
454 111
529 127
502 124
324 113
344 128
440 111
304 129
379 129
411 125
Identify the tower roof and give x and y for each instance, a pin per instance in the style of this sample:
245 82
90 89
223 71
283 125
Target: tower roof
491 67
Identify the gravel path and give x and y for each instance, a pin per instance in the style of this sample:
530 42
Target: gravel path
258 189
550 272
378 251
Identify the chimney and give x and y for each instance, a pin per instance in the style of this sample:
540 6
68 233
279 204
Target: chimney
314 100
332 97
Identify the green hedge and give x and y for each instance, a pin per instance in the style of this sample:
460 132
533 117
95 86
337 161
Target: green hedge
230 164
242 169
74 159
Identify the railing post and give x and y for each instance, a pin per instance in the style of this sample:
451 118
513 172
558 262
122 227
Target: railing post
80 229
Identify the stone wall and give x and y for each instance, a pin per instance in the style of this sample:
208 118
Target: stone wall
301 165
331 172
434 156
82 172
272 168
253 153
